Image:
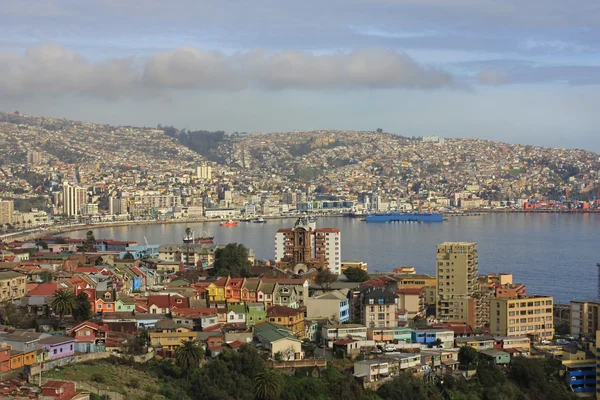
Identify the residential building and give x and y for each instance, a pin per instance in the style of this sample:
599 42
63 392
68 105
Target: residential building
61 390
584 317
58 346
412 300
255 313
280 341
334 333
236 314
378 308
434 337
204 171
333 306
74 197
371 370
12 286
291 318
353 264
7 207
531 316
168 335
479 343
457 283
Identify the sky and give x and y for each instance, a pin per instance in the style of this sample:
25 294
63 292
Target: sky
521 71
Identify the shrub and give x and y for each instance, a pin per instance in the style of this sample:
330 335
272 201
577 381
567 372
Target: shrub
96 377
134 383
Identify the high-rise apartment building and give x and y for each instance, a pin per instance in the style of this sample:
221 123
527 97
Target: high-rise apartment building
457 283
305 244
584 317
204 171
6 211
34 157
74 197
519 316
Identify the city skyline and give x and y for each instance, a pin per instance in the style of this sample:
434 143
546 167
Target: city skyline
520 72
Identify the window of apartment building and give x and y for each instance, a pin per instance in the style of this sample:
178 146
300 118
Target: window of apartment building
381 316
548 302
371 301
511 313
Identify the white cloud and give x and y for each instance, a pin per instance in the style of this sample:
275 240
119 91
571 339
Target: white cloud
55 70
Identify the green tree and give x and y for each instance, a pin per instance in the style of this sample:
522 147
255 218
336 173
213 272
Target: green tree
189 354
268 384
406 387
325 278
83 307
89 243
63 303
42 244
232 260
356 274
45 276
128 256
60 240
468 357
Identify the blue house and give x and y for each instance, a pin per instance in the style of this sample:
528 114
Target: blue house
430 337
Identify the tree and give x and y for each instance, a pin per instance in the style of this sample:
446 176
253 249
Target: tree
45 276
63 303
128 256
325 278
379 130
232 260
42 244
89 242
60 240
406 387
83 307
189 354
268 384
356 274
468 357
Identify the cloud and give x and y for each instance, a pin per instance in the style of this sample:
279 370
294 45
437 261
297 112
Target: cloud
55 70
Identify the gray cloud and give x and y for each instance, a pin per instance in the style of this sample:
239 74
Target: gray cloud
491 77
55 70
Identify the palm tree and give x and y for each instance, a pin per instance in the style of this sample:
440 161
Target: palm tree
63 302
267 384
189 354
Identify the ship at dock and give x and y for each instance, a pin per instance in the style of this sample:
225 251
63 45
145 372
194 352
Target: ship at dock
404 217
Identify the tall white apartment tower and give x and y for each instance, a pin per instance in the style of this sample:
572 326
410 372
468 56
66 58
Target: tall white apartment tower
74 197
204 171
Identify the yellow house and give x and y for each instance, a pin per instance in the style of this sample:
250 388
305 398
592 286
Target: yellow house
12 285
291 318
415 281
216 290
170 339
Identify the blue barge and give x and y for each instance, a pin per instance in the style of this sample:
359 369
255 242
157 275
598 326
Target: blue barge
405 217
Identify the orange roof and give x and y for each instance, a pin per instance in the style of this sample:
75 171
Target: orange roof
44 289
282 311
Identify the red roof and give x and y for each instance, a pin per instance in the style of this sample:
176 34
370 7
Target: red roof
161 301
213 328
345 342
44 289
282 311
88 270
221 282
236 344
195 311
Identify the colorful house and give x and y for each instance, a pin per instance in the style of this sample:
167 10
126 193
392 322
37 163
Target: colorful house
236 314
291 318
58 346
105 301
89 337
216 290
233 290
5 358
255 313
124 303
250 290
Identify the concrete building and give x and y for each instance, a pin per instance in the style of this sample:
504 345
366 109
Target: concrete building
89 209
353 264
333 333
532 316
333 305
7 207
34 157
279 340
12 286
457 283
378 308
74 197
584 316
204 171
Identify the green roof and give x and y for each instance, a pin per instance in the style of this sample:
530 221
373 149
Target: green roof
237 308
272 332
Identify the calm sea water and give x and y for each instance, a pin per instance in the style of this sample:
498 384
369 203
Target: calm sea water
553 254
